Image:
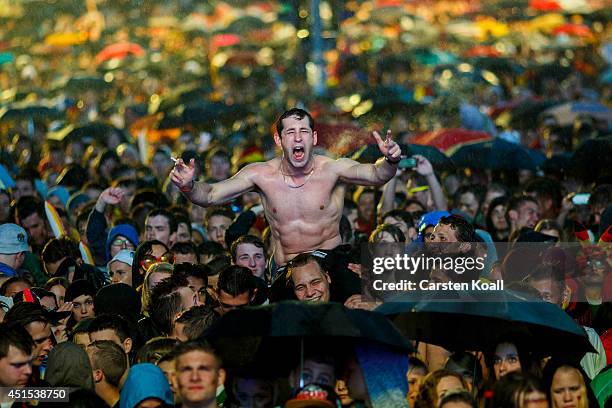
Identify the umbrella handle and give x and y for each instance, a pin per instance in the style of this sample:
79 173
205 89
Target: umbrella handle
301 385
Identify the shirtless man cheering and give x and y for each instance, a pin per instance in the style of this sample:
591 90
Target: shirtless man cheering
302 193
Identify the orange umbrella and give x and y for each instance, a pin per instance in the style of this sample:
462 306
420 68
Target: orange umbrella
448 140
119 50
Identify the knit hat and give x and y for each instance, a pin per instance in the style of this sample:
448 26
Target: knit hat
118 299
125 230
78 288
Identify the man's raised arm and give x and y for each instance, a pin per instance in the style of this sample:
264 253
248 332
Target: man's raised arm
204 194
376 174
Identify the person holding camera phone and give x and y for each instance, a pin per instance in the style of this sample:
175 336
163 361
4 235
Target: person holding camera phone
432 198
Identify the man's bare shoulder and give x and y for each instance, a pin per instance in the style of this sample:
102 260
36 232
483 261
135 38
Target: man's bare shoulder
259 168
338 165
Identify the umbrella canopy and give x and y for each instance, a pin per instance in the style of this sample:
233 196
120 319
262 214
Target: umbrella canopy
483 51
120 51
498 154
252 334
7 58
84 83
481 317
95 130
371 153
545 5
499 66
524 114
29 112
591 160
185 94
576 30
433 57
565 114
448 140
206 114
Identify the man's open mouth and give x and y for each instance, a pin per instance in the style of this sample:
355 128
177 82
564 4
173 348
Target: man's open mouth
298 152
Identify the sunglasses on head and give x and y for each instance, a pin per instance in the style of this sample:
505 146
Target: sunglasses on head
150 260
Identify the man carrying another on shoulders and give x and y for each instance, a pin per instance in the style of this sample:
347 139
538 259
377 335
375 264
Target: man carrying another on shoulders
302 194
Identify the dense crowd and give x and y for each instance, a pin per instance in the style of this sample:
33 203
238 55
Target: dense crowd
118 304
170 235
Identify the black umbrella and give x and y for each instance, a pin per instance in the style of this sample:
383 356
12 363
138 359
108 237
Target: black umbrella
79 84
591 160
475 320
193 94
29 112
247 337
499 66
498 154
213 113
96 130
526 114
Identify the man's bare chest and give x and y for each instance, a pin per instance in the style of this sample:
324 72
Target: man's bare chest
287 198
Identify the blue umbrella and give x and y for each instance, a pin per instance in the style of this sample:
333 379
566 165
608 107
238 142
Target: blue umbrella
474 320
498 154
565 114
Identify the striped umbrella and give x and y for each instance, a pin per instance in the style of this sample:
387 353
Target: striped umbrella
449 140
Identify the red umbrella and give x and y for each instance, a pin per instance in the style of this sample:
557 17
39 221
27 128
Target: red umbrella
119 50
448 140
576 30
482 51
545 5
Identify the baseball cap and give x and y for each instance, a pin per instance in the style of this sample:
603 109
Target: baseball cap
314 395
13 239
125 255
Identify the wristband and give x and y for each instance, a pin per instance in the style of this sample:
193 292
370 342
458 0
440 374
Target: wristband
392 162
187 189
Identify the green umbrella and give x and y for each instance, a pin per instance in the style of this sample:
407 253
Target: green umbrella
602 386
433 57
474 320
248 336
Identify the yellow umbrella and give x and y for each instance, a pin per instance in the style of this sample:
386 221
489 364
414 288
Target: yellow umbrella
66 39
546 23
491 27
